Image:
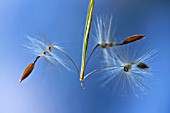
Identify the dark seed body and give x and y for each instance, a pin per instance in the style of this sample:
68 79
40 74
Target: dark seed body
127 68
142 65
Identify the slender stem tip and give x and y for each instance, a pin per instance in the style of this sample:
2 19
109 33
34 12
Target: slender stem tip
81 83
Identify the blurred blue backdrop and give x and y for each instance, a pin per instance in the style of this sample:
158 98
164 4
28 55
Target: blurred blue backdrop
63 21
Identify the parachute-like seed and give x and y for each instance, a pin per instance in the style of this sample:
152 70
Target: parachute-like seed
41 47
103 33
104 39
130 76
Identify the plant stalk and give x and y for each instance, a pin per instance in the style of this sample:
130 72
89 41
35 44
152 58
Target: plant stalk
86 38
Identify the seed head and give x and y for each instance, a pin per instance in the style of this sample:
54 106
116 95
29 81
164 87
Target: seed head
42 48
131 77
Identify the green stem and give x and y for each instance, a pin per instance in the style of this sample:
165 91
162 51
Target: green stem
86 38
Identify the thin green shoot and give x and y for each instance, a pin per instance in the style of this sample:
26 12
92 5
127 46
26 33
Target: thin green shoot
86 38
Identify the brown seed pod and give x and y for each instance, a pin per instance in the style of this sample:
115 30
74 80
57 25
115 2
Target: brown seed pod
142 65
132 39
27 71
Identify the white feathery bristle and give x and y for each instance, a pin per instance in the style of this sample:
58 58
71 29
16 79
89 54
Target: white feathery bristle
55 60
136 81
103 29
39 45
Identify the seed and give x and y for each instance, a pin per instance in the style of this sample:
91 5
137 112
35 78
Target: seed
142 65
27 71
132 39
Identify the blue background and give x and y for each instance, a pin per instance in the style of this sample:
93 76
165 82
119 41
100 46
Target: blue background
63 21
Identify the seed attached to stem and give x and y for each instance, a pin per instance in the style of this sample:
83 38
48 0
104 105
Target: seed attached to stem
27 71
132 39
126 41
